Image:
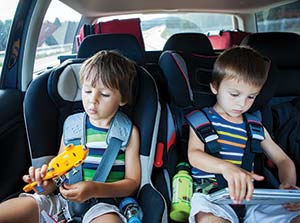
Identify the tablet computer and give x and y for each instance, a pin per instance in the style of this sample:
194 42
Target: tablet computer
259 196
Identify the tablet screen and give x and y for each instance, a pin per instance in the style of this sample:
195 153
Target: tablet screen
260 196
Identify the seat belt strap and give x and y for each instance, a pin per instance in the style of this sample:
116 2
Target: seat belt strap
208 135
118 138
107 160
255 135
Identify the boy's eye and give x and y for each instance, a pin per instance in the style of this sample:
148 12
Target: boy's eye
87 91
251 97
105 95
234 94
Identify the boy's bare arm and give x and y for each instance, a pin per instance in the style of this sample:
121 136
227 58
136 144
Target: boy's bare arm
127 187
286 167
239 181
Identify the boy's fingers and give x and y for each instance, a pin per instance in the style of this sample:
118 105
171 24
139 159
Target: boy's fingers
231 189
27 179
256 177
67 186
44 170
237 189
250 189
38 176
31 172
243 191
292 206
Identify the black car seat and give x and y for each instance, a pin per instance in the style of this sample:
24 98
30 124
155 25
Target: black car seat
187 61
187 64
56 94
185 56
188 58
282 49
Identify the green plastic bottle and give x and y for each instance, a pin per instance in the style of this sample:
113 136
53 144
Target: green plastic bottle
182 193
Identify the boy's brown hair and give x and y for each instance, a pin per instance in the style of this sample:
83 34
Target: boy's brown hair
113 69
242 63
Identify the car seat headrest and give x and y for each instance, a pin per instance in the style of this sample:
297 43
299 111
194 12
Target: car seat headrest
126 44
282 48
68 84
189 42
65 86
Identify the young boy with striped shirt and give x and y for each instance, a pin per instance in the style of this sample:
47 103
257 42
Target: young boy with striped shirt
238 76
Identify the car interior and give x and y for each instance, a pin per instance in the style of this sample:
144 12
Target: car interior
172 81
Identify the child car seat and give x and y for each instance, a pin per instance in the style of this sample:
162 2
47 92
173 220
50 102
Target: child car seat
187 73
56 94
181 56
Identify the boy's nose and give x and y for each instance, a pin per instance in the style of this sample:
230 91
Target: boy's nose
242 102
94 97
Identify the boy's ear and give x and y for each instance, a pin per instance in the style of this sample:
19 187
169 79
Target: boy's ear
123 103
213 87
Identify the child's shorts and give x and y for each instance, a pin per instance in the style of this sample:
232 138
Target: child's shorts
254 213
53 204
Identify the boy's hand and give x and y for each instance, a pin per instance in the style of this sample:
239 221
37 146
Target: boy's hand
37 174
290 206
78 192
240 182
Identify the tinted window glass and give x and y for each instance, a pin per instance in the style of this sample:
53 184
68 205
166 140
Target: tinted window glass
7 12
284 18
157 28
56 35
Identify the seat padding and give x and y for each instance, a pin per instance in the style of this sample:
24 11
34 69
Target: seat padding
126 44
189 43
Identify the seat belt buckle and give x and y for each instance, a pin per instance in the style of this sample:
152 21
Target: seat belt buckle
256 131
60 217
207 133
61 180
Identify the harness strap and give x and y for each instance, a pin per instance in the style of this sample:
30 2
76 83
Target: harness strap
253 151
117 138
208 135
108 159
253 148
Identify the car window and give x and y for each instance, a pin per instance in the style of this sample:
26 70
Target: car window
56 35
284 18
157 28
6 17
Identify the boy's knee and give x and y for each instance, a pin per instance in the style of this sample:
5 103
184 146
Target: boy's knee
109 217
296 220
209 217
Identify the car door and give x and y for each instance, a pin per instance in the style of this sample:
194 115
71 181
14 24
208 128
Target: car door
15 157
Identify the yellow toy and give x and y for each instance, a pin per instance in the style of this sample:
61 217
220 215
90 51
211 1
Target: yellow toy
72 157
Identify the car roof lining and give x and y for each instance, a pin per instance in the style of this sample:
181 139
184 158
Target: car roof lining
98 8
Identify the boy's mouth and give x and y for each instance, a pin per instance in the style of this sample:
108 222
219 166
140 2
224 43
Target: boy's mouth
92 111
235 111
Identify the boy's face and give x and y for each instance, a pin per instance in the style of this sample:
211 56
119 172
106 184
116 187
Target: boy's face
234 97
100 103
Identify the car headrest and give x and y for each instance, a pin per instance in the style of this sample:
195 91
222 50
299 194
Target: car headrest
126 44
68 84
282 48
64 85
189 42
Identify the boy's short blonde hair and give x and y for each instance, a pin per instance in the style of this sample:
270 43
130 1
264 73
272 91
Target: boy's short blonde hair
113 69
242 63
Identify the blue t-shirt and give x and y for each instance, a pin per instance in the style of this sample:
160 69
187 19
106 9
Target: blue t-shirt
232 139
